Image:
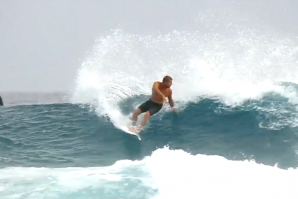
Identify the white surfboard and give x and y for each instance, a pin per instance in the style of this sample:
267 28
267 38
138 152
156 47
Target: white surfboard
127 130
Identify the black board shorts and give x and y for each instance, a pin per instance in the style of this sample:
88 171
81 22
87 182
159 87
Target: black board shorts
150 106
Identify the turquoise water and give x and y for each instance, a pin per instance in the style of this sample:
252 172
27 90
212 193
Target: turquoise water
67 151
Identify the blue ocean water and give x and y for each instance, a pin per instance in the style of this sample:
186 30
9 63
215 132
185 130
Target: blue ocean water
235 135
67 151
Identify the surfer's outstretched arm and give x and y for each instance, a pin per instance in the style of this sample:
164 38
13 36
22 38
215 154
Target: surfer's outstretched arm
171 102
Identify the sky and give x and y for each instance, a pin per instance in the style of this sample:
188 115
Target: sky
43 43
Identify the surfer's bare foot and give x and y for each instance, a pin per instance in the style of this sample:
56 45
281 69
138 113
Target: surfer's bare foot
136 129
139 128
133 129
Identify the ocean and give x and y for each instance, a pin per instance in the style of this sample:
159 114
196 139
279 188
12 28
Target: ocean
235 134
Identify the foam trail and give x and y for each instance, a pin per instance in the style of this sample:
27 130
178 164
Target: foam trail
164 174
244 66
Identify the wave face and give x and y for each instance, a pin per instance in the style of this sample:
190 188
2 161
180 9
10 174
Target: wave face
68 151
235 133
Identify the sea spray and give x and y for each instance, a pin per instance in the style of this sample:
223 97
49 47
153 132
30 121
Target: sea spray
244 67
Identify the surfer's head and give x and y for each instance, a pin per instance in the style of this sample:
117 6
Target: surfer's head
167 81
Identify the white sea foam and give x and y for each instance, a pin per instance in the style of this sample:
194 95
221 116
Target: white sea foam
164 174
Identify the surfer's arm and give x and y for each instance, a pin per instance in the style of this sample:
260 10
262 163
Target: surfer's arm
155 89
171 102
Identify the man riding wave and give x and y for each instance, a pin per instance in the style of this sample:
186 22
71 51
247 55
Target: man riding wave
160 92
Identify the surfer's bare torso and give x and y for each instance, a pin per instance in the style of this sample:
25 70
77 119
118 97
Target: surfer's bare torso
156 97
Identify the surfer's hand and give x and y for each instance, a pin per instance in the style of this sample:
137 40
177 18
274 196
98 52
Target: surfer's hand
174 110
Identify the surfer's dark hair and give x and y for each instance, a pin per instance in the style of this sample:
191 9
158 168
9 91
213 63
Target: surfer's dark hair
167 78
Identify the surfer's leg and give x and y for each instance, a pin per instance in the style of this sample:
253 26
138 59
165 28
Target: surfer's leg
153 109
135 115
141 109
145 119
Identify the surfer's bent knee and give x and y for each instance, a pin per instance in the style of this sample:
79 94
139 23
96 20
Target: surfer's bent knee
137 111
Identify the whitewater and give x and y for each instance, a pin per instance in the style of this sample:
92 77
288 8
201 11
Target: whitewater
165 174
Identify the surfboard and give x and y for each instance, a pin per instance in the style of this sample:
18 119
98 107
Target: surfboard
129 130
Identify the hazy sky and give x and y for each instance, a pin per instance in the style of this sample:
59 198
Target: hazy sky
43 42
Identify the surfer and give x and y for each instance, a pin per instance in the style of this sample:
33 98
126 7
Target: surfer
160 92
1 101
